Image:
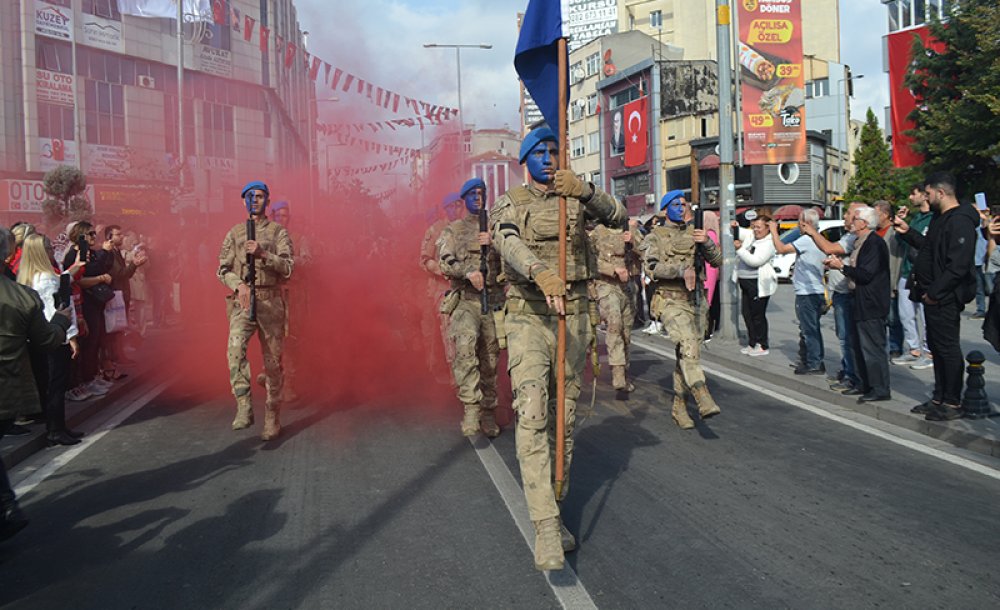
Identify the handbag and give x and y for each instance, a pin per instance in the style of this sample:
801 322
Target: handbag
101 292
115 318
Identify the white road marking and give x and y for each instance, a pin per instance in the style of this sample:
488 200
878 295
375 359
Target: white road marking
565 583
53 465
825 413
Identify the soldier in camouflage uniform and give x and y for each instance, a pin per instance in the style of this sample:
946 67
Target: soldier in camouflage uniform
472 332
617 261
272 251
668 254
434 326
525 229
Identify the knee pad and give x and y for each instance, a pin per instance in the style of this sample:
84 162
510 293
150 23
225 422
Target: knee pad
532 409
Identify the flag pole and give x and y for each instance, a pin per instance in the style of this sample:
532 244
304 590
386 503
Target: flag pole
561 328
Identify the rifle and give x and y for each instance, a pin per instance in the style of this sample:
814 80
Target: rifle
699 268
251 278
484 253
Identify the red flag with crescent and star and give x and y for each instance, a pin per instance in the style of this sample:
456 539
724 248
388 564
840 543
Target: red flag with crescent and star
636 130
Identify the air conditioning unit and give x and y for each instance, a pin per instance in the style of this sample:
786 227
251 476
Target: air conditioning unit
145 81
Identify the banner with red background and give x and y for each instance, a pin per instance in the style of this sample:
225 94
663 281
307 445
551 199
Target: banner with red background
900 46
773 85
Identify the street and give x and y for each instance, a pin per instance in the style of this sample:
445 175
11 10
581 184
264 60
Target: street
764 506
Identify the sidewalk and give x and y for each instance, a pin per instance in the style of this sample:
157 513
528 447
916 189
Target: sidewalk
909 387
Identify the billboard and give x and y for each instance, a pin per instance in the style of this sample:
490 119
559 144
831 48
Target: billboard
590 19
53 21
772 82
900 46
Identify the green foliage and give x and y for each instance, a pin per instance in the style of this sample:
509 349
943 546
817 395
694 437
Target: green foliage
64 185
872 178
958 97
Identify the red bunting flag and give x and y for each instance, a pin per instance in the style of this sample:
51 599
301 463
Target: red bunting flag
248 23
236 19
265 35
290 54
219 12
314 70
337 73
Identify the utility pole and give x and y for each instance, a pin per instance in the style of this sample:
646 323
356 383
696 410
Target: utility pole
727 189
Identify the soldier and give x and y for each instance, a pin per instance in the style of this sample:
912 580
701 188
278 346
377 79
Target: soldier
436 324
525 229
272 259
616 264
472 332
668 254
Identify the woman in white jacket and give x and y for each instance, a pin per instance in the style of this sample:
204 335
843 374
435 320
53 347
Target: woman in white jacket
38 270
755 274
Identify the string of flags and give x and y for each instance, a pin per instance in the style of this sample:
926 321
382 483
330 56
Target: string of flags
376 147
334 77
370 169
343 129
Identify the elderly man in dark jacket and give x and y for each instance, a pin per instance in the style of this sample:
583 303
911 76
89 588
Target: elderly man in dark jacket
21 320
944 282
868 275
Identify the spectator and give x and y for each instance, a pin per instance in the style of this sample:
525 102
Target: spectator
943 280
121 272
21 320
991 326
20 231
757 280
96 263
885 230
39 272
911 314
141 301
810 299
982 289
868 273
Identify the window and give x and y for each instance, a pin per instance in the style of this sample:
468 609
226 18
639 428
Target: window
105 116
919 12
592 104
53 55
220 141
593 64
576 148
56 122
704 128
656 19
892 8
633 184
170 130
103 8
577 111
576 73
904 7
595 177
623 97
593 142
818 88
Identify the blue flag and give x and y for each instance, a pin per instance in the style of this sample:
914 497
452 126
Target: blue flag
536 58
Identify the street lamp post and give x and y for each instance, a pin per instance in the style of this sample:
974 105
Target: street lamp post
461 115
847 128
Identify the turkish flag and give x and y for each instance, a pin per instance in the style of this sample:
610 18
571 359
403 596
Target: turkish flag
636 130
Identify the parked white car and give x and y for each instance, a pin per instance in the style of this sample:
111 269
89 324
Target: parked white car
784 264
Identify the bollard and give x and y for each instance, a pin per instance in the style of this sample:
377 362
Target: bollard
975 402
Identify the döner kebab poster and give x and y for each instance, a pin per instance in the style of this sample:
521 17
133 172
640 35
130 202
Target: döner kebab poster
773 86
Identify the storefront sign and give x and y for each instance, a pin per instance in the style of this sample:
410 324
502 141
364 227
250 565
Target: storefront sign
26 196
102 33
54 87
106 161
56 152
218 62
53 21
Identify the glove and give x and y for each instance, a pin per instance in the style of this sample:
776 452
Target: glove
568 185
550 284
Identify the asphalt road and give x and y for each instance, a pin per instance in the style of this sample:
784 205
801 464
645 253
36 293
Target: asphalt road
765 506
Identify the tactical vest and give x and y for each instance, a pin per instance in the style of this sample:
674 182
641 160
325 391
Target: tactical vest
538 220
467 249
267 236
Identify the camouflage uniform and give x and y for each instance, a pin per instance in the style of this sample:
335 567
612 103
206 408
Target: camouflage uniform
272 271
614 298
525 227
434 326
666 252
473 333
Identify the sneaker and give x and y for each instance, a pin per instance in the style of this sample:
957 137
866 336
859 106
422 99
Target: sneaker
922 363
97 389
979 315
907 358
746 349
78 394
943 412
840 386
759 351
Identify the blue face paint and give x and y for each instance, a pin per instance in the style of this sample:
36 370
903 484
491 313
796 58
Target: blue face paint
539 159
472 199
248 200
675 210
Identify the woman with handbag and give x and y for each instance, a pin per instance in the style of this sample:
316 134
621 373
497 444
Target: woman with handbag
757 280
38 270
95 283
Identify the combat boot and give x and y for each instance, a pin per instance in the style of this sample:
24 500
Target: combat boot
706 405
470 421
680 412
548 545
272 425
619 380
488 423
244 413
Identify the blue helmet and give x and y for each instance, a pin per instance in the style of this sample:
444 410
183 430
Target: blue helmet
539 134
450 198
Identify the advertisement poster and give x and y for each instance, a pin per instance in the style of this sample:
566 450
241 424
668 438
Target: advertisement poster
102 33
900 47
217 62
773 85
106 161
53 21
54 87
56 152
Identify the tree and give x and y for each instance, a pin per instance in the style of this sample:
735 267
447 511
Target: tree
873 174
65 185
957 89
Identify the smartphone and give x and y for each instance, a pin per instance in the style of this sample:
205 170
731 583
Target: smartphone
63 297
980 201
81 243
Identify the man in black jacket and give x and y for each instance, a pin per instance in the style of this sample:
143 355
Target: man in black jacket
868 277
944 282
